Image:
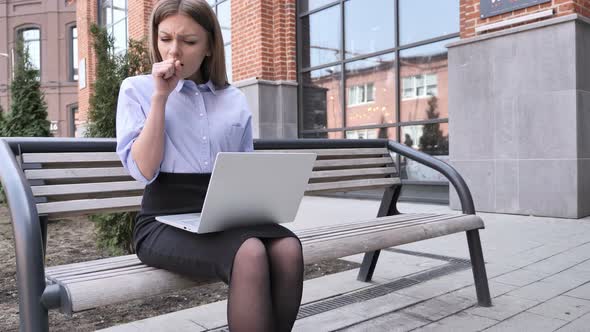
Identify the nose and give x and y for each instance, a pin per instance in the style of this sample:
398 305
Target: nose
174 51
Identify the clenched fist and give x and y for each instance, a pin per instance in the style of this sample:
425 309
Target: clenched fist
166 76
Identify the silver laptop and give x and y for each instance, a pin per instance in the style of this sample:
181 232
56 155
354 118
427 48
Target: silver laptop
249 188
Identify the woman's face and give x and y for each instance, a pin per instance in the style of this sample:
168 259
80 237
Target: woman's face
181 38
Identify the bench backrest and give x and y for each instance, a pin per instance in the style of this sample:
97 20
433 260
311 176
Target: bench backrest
74 183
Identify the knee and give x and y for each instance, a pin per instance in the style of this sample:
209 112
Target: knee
252 251
288 249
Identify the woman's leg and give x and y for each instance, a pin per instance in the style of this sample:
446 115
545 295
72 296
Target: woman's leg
249 305
286 276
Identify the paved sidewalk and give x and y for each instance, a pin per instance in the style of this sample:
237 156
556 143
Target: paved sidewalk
538 270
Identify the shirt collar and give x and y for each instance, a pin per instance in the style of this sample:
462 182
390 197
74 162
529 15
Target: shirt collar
190 86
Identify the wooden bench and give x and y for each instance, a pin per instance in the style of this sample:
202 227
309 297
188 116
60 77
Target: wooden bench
51 178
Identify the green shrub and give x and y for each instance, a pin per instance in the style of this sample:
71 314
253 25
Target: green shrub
114 230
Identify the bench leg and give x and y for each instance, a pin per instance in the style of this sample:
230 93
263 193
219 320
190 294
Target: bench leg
479 269
368 266
43 223
33 316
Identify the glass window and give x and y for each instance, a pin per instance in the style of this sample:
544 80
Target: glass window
228 62
73 109
370 86
113 16
432 138
364 35
307 5
31 38
223 12
424 82
322 107
363 102
321 37
425 19
74 54
224 17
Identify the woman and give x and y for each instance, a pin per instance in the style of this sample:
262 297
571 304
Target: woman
170 126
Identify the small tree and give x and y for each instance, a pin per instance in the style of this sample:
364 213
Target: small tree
115 230
2 122
432 141
28 115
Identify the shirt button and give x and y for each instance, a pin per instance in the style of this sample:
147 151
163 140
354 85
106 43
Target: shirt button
196 93
204 138
206 163
201 114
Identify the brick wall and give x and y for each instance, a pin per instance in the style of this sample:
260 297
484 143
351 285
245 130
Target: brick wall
470 17
138 18
263 39
86 14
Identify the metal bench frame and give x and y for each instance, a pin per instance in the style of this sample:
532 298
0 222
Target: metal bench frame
30 230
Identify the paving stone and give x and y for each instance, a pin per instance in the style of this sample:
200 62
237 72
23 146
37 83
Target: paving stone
579 325
328 321
461 321
440 307
562 307
496 289
528 322
551 286
582 292
381 305
395 322
521 277
503 307
335 284
439 286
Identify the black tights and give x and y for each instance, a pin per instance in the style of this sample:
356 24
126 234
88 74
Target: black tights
266 285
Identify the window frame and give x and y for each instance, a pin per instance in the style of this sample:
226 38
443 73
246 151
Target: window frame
72 70
18 34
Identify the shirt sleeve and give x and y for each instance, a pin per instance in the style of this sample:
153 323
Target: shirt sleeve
247 144
130 121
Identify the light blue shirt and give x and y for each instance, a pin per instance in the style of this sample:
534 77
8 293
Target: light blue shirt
200 122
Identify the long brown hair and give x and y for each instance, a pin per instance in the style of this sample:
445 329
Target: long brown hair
213 67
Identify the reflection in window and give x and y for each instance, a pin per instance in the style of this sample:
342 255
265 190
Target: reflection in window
424 73
361 94
419 86
223 12
113 16
322 108
363 101
362 134
307 5
321 37
73 54
31 38
364 35
431 138
370 91
425 19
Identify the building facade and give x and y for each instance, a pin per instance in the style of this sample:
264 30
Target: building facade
48 29
498 88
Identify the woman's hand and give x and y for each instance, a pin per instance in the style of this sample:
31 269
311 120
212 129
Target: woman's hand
166 76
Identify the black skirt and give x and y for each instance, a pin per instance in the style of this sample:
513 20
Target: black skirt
201 256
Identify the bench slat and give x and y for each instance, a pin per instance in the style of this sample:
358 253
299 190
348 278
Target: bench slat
353 162
123 284
335 152
75 173
353 172
351 185
79 157
86 188
89 205
70 157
